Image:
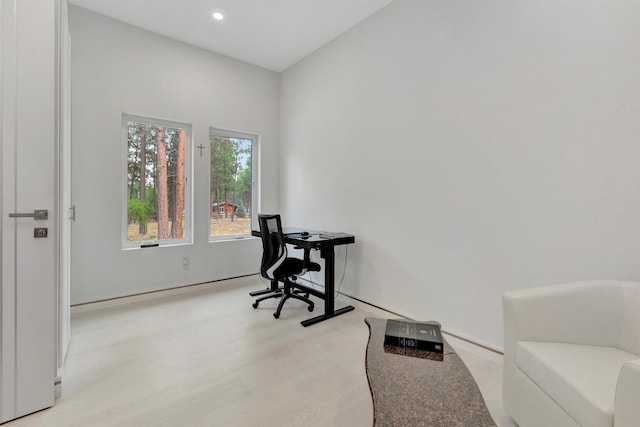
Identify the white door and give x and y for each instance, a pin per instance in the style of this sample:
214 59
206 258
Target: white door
28 318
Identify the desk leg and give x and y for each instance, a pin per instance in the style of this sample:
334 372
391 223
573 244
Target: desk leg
328 254
329 279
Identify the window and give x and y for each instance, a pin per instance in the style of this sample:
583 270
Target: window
158 198
231 187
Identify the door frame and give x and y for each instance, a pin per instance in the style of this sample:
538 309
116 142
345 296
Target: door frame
63 178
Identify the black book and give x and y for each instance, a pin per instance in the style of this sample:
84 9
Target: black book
425 336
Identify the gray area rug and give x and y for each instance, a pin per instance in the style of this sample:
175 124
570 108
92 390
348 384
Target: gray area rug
411 391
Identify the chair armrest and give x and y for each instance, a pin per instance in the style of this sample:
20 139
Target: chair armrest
579 313
627 410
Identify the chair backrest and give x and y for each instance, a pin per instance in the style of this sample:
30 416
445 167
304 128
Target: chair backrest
274 250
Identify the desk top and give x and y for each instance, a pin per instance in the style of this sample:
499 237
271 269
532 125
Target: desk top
315 239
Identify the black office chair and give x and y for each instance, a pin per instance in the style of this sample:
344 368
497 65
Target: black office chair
277 266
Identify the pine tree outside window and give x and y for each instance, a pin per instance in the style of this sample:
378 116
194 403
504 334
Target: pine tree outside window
158 196
231 190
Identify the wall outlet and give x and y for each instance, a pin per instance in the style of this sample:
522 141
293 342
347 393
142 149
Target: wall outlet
185 261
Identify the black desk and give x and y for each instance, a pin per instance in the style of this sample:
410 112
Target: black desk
325 242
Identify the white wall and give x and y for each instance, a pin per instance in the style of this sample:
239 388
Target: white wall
118 68
472 147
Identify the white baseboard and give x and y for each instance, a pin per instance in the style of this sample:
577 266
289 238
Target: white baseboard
486 351
57 387
219 284
456 339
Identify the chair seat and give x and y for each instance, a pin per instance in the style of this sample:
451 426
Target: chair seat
294 266
579 378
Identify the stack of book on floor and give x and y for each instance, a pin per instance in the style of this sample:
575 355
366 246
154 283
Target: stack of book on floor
416 339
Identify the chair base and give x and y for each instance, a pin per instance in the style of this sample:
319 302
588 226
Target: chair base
273 291
277 292
295 296
289 291
274 294
261 292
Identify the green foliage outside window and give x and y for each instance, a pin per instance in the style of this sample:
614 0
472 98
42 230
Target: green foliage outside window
231 185
155 181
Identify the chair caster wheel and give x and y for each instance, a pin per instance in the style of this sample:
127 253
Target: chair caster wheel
255 305
276 315
310 308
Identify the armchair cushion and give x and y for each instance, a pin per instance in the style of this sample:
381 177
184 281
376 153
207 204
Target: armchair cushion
580 378
571 354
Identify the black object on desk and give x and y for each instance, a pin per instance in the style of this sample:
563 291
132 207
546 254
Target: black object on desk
326 243
299 235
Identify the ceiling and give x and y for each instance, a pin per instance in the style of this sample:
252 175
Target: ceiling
273 34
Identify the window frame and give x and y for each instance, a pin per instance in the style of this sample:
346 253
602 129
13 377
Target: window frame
188 175
255 181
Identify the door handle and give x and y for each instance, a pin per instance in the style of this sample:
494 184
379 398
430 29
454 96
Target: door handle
38 214
72 209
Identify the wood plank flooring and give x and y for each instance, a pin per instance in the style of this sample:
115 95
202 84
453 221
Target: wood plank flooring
205 357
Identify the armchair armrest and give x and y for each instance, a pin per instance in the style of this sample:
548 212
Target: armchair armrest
579 313
627 410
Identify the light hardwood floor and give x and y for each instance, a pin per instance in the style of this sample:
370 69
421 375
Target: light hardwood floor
203 356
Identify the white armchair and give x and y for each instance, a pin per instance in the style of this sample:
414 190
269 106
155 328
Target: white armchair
572 355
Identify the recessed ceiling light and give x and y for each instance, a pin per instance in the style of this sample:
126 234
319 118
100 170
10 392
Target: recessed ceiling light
218 16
